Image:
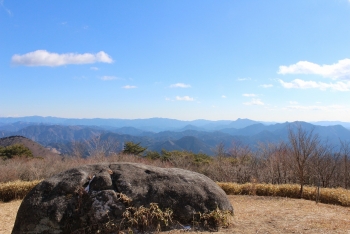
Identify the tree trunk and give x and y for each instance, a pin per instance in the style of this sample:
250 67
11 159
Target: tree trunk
301 191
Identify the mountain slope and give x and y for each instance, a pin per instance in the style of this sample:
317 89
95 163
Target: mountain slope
193 144
47 134
37 149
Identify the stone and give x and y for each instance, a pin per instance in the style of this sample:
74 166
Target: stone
83 199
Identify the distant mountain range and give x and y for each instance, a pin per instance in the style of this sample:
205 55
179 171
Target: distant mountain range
196 136
152 124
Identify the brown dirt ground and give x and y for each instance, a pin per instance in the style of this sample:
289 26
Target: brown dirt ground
255 214
8 213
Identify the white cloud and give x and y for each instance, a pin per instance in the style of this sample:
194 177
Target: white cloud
249 95
223 96
244 79
339 70
266 85
94 68
45 58
184 98
318 107
302 84
129 87
293 102
180 85
254 101
109 78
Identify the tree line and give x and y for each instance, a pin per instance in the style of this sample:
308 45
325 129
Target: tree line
304 159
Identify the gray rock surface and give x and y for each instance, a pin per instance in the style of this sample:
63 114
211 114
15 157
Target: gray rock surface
71 202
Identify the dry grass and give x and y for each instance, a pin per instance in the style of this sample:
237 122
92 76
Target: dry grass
151 219
338 196
15 189
213 220
255 214
284 215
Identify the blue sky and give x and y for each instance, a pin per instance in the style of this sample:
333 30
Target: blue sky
216 60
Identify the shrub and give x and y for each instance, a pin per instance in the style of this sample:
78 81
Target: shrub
15 150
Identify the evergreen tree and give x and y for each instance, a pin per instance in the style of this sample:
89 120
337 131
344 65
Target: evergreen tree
133 148
15 150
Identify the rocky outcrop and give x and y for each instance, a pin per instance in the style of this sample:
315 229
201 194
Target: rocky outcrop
81 200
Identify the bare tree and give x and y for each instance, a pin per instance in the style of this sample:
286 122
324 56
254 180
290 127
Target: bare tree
324 163
302 147
276 168
78 149
97 146
345 151
223 168
244 162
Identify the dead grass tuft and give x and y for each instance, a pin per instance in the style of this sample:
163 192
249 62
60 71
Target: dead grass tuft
146 219
336 196
213 220
16 189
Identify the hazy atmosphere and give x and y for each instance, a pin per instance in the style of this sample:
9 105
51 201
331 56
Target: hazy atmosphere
215 60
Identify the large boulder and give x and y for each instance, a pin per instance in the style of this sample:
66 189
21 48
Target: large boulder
79 199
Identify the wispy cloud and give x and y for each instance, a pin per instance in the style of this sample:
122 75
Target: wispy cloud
254 101
223 96
293 102
129 87
244 79
109 78
318 107
45 58
184 98
94 68
249 95
266 85
302 84
339 70
180 85
5 8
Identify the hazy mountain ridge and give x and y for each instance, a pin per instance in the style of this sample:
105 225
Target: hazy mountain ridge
46 134
151 124
190 137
